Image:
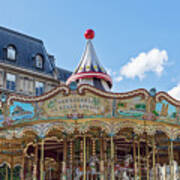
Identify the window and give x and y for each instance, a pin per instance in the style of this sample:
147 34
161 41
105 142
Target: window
11 53
49 87
39 88
1 77
39 61
10 81
26 84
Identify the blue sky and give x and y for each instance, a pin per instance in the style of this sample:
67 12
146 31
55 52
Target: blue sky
124 30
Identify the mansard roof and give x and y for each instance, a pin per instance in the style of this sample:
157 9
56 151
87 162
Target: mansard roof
27 48
63 74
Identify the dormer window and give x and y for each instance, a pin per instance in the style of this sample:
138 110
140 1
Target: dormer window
11 53
39 61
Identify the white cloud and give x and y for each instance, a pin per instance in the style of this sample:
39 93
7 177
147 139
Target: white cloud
118 79
152 61
175 92
109 71
113 75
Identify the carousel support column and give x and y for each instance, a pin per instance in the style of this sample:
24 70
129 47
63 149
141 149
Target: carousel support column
154 159
139 158
115 153
171 159
71 158
23 167
87 150
93 152
102 159
57 161
81 152
84 160
12 166
7 172
147 159
134 156
35 163
64 175
42 160
94 147
105 157
112 158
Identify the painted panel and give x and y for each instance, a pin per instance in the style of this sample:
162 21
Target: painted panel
73 106
1 118
21 111
76 106
91 105
167 112
134 107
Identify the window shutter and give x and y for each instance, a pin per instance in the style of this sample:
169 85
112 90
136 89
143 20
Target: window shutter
1 78
21 83
31 86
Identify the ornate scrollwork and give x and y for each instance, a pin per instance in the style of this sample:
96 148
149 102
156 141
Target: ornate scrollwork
83 88
45 96
166 96
84 127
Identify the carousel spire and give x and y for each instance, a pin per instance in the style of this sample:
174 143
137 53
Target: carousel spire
89 70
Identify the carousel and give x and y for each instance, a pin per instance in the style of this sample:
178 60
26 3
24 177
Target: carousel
83 131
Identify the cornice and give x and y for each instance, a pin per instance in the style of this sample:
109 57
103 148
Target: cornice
27 71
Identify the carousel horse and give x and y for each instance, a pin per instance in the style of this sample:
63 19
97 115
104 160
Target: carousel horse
160 172
164 172
79 173
122 171
168 172
117 170
125 176
176 170
90 169
92 164
128 160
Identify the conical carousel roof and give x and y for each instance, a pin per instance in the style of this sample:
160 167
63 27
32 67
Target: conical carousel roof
90 67
89 61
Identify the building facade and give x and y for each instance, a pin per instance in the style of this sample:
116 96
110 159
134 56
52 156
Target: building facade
25 65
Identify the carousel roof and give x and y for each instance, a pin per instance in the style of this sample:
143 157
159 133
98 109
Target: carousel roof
89 66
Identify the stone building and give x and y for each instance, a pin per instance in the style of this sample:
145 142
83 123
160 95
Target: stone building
25 65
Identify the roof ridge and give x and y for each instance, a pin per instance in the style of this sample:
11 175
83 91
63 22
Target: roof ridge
60 68
21 34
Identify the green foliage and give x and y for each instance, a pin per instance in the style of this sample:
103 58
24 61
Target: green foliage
140 106
51 104
155 113
174 114
121 105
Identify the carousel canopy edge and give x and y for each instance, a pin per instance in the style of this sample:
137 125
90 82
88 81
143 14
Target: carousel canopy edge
87 102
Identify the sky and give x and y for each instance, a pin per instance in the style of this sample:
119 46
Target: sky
137 41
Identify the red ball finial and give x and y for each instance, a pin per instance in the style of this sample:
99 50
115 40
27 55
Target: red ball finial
89 34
